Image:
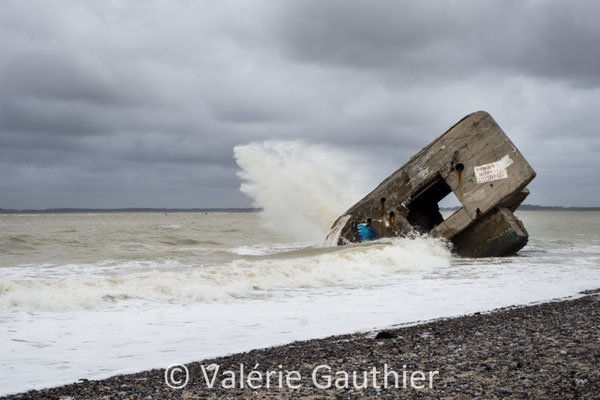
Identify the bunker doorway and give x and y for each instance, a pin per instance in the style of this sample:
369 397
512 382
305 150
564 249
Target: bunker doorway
424 211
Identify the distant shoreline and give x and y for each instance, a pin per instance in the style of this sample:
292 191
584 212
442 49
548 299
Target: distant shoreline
533 207
523 207
130 210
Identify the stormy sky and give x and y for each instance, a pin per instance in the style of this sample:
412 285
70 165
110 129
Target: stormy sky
140 103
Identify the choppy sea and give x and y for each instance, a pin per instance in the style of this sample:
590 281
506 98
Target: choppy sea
93 295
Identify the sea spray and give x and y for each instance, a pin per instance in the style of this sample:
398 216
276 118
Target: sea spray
302 188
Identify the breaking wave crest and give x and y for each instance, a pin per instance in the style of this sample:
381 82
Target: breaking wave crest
301 188
245 278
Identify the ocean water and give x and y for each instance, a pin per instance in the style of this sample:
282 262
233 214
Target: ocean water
94 295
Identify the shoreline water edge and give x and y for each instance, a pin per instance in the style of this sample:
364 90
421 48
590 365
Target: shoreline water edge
546 350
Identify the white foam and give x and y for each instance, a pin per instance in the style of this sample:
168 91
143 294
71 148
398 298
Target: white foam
301 188
333 237
42 349
262 249
353 265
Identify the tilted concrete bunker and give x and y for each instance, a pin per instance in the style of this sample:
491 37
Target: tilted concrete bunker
475 160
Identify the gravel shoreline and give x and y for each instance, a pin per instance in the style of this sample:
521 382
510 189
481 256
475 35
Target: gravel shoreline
549 350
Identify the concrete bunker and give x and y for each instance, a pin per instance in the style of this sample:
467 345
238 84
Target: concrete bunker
475 161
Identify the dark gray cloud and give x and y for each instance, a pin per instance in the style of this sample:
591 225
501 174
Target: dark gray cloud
441 40
139 103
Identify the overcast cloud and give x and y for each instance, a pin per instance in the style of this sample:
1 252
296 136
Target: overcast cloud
139 103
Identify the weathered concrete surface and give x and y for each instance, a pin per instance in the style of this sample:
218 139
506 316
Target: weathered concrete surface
476 161
496 234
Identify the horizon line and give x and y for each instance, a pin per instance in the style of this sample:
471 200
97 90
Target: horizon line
525 207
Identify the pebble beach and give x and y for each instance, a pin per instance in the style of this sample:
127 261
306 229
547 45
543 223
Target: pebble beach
549 350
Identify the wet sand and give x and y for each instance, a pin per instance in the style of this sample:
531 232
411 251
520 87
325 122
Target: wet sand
549 350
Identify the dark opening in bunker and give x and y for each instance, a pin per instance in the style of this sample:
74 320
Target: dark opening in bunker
424 211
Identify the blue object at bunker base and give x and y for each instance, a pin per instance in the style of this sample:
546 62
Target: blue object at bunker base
366 233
